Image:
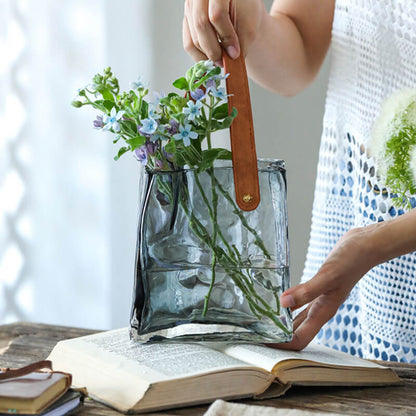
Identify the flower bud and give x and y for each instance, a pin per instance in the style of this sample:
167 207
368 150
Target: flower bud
77 104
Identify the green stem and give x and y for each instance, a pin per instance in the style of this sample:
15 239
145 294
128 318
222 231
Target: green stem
257 239
213 215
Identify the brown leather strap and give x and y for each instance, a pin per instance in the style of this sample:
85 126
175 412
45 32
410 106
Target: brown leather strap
31 368
243 148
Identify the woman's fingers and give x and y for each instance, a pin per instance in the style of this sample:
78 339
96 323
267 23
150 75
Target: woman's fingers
203 33
208 29
219 16
304 293
320 311
189 44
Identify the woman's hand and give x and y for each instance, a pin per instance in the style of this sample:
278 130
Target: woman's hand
350 259
235 23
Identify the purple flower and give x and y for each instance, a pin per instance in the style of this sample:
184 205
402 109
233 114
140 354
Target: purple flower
98 122
150 147
169 156
211 84
141 155
159 164
198 94
173 127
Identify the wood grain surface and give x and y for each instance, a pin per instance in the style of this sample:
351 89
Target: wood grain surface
22 343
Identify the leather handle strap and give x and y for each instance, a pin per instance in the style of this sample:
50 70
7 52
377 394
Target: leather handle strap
243 148
31 368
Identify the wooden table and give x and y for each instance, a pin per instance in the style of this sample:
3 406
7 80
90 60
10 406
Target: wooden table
23 343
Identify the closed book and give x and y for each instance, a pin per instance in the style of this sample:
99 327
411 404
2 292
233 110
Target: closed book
31 392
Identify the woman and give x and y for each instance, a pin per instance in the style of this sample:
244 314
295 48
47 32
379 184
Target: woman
357 294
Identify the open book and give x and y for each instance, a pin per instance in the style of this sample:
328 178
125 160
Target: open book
139 378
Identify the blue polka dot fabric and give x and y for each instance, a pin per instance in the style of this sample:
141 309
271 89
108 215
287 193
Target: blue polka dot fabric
373 56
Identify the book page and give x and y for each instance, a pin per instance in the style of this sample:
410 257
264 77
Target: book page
120 371
162 361
267 357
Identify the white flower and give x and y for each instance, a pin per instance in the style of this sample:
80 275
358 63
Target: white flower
397 113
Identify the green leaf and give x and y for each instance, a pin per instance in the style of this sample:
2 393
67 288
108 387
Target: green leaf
144 110
215 71
179 103
220 112
136 142
107 104
226 123
105 92
211 155
180 160
121 152
130 127
170 147
167 100
181 84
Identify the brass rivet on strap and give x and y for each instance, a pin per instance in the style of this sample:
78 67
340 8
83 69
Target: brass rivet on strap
247 198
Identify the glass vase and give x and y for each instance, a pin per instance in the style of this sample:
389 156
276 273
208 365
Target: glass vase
205 269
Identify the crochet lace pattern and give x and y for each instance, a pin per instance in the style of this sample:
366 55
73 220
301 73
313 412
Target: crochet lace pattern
373 56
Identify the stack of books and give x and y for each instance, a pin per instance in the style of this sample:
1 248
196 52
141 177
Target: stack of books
37 390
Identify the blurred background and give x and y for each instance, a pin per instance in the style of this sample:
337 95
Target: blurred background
68 212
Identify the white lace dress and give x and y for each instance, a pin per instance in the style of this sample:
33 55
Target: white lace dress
373 55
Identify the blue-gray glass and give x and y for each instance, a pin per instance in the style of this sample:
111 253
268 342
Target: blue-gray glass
206 270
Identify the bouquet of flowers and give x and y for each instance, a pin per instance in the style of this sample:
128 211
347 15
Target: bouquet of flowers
172 134
166 133
393 145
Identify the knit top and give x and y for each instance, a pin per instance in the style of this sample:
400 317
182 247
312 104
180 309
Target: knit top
373 56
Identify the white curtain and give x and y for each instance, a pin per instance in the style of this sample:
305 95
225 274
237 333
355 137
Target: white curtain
67 210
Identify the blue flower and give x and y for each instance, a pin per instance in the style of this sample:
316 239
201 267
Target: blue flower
149 126
111 121
221 77
185 134
219 93
139 84
152 112
193 110
159 134
157 97
209 65
198 94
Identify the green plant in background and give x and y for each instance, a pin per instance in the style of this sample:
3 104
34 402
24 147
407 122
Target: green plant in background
393 145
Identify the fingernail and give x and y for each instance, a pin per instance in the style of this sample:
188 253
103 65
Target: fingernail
287 301
232 52
218 63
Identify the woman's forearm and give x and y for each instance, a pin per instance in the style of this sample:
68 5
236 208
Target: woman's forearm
390 239
291 45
